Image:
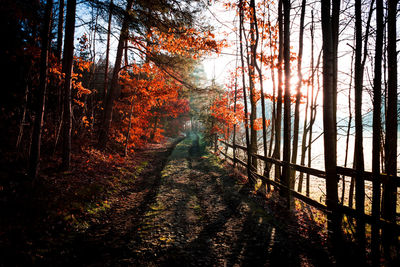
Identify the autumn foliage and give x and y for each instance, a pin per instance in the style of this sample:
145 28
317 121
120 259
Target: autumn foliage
149 100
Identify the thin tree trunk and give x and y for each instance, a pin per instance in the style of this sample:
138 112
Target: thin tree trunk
335 40
377 102
109 105
360 189
234 111
329 114
60 28
67 65
312 106
358 84
107 52
259 70
253 101
298 95
58 54
304 142
346 155
278 121
286 120
389 189
34 157
241 18
376 134
92 77
272 68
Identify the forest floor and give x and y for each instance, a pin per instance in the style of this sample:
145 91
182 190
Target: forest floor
179 206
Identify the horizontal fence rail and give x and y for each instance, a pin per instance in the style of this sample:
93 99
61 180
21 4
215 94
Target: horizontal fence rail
315 172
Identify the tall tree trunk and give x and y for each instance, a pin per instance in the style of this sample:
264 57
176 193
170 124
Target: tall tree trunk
252 90
58 53
389 189
259 70
107 51
60 28
272 69
298 94
34 157
335 40
278 119
286 120
112 95
377 102
312 106
358 84
67 64
346 154
329 114
246 123
92 78
234 110
304 142
376 133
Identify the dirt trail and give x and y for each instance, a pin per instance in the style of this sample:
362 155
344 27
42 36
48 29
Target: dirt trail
192 213
202 217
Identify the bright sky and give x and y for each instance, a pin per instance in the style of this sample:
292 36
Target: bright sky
220 66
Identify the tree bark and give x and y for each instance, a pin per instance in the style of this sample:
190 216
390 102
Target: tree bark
113 94
252 90
60 28
377 103
278 119
286 120
312 106
389 189
234 110
34 157
346 154
298 95
246 123
328 111
107 52
67 64
358 84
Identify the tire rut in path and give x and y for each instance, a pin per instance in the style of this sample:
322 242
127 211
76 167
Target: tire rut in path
191 212
202 217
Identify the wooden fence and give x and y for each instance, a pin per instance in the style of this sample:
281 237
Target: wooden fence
368 176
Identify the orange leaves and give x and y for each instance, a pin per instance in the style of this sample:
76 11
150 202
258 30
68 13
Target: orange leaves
85 121
148 98
81 91
258 124
81 64
186 42
224 113
80 103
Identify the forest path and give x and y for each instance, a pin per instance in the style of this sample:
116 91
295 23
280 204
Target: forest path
194 213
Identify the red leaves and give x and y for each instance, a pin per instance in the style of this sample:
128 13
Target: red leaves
223 111
258 124
149 98
186 42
